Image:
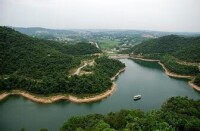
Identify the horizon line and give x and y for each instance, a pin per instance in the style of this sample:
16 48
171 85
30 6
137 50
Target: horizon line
99 29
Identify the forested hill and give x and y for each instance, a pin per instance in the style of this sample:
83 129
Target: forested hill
180 55
34 30
183 48
14 40
41 66
21 54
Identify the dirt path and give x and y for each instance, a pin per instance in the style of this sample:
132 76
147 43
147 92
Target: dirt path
79 69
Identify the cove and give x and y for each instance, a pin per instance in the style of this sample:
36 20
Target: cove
140 77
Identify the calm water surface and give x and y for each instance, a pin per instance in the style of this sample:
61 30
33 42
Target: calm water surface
145 78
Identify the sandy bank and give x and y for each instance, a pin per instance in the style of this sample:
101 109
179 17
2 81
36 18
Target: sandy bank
115 76
173 74
3 96
51 99
196 87
94 98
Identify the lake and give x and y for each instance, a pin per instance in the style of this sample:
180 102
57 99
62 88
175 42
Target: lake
145 78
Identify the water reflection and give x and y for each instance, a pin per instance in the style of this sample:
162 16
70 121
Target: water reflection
150 65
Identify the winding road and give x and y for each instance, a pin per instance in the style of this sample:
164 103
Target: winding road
79 69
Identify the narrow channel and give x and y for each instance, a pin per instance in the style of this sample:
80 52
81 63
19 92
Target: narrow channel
145 78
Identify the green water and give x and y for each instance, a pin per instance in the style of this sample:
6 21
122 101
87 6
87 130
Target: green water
145 78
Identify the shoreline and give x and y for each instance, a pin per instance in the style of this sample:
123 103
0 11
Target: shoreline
143 59
174 74
194 86
118 73
171 74
71 98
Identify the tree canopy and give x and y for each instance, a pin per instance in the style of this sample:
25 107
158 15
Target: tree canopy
177 113
42 66
183 48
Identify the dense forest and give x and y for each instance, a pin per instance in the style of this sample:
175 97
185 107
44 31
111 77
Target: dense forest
173 66
96 82
178 113
23 55
42 66
183 48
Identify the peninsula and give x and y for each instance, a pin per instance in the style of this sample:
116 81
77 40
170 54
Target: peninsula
40 70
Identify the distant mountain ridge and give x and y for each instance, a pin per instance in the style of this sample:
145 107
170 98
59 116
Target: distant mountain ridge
35 30
123 37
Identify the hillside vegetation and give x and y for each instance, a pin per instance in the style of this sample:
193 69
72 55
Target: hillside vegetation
42 66
173 66
183 48
178 113
35 58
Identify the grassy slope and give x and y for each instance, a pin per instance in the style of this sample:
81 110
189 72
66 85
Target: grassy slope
108 44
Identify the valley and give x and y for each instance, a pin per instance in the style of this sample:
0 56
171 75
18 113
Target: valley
99 65
84 74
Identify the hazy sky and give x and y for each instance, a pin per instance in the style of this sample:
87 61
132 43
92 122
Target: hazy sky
163 15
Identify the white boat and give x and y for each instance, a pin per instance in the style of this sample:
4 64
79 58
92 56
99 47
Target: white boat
137 97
